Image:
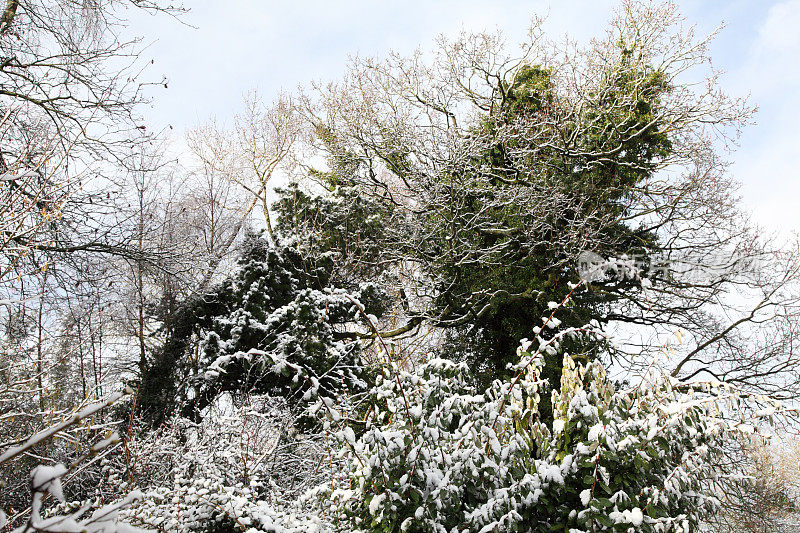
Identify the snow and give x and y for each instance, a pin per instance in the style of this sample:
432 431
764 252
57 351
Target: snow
78 416
634 516
48 479
375 503
596 431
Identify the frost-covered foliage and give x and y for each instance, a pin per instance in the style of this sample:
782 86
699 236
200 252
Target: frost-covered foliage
211 507
239 469
276 326
437 457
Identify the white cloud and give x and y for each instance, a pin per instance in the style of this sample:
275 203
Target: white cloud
779 33
767 163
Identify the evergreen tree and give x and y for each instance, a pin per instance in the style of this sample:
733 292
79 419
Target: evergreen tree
277 326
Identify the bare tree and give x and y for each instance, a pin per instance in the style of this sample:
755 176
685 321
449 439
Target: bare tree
69 89
253 151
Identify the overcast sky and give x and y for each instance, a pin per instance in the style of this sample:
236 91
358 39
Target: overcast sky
227 48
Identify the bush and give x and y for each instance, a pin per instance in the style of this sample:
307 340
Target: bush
438 457
240 469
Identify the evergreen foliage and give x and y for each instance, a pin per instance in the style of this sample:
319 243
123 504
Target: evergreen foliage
441 458
277 326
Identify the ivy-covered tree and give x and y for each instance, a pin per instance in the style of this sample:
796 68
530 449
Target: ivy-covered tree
475 181
277 326
520 254
495 228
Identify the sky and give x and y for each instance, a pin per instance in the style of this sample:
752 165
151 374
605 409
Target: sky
222 49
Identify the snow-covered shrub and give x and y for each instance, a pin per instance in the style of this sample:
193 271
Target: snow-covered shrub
437 457
207 506
239 469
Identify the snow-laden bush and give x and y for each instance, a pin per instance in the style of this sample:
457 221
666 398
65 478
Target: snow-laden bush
202 505
437 457
241 468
